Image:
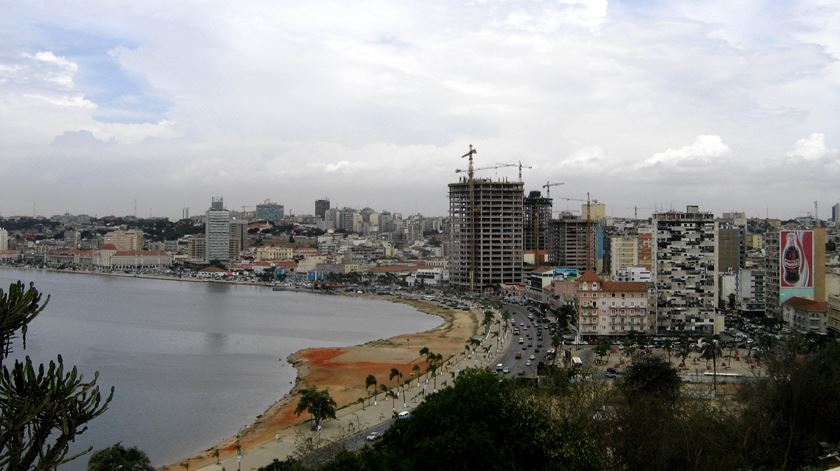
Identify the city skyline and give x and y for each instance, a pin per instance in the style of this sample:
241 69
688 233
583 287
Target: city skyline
655 104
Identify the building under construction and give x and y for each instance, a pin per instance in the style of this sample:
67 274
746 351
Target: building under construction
537 218
486 239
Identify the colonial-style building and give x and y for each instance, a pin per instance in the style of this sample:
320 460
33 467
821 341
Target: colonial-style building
612 308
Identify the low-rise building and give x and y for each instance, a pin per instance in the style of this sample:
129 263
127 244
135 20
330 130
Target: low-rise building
805 315
274 253
612 308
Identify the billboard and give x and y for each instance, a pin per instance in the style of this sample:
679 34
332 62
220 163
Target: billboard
568 274
796 264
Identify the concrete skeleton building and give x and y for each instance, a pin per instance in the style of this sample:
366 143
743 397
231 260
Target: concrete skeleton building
685 254
536 221
486 240
567 242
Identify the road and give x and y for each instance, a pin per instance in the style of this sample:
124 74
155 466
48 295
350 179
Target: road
527 327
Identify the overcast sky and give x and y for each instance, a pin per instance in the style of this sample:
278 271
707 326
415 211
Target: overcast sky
729 105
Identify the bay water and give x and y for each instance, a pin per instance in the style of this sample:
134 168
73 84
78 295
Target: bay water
191 362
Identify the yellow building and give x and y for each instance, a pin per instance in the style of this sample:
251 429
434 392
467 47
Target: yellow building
274 253
125 240
597 211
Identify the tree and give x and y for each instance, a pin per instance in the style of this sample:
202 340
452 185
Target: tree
668 345
711 351
684 350
119 457
602 350
731 300
506 319
42 409
488 320
651 376
318 403
415 370
371 381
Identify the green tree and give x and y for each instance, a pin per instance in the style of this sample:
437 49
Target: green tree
651 376
488 320
318 403
602 350
42 409
371 381
119 457
711 351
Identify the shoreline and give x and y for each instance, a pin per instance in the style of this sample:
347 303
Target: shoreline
321 367
326 367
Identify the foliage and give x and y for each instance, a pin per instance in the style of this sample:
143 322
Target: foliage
651 376
318 403
119 457
42 409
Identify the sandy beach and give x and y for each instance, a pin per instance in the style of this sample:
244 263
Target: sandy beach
343 371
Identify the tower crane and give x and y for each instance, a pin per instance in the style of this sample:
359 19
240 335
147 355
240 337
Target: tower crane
548 186
492 167
636 209
590 234
519 165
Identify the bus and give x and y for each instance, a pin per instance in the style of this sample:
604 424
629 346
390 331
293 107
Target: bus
577 362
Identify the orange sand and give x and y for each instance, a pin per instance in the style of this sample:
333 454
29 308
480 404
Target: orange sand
343 372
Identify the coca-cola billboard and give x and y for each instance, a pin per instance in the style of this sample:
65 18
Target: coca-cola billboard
796 259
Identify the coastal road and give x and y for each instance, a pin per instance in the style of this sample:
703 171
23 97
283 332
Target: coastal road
526 327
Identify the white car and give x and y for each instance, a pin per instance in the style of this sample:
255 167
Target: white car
528 363
373 436
532 357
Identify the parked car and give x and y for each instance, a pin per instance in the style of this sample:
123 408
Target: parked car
373 436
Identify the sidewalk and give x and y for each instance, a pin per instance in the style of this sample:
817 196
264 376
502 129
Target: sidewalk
353 418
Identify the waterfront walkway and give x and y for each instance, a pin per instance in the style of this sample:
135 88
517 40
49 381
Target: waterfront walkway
352 419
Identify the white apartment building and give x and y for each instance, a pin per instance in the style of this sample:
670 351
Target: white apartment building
635 274
685 267
750 290
217 232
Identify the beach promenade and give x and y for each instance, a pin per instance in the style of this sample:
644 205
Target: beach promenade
295 438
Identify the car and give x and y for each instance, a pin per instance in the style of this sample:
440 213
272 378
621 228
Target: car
528 363
532 357
506 370
530 344
537 350
373 436
499 367
404 415
524 347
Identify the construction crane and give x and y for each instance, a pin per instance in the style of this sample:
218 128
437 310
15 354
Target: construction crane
548 186
493 167
636 209
519 165
472 213
590 234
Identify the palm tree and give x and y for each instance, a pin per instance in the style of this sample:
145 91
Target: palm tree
506 319
488 319
371 381
711 350
318 403
415 370
424 352
668 346
216 454
436 359
395 373
684 349
390 393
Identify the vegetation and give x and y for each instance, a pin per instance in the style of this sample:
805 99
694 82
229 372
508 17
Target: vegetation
119 457
42 409
787 420
318 403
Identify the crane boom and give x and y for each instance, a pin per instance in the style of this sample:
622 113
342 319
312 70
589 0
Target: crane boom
548 186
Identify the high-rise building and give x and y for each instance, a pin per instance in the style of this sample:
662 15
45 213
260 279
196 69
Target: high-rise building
4 239
772 308
217 231
567 244
486 233
597 211
646 248
536 221
750 291
732 250
835 213
624 252
685 273
272 212
239 232
321 207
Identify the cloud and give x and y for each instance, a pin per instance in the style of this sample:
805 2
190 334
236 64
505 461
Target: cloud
811 148
706 149
81 138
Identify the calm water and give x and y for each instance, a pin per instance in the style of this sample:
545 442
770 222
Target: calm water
192 363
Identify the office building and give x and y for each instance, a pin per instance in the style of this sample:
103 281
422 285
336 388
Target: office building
685 273
321 207
486 237
268 211
217 232
536 221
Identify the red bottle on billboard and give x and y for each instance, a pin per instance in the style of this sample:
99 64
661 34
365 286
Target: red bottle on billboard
792 260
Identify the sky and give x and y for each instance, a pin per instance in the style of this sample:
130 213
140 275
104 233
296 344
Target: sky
731 105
